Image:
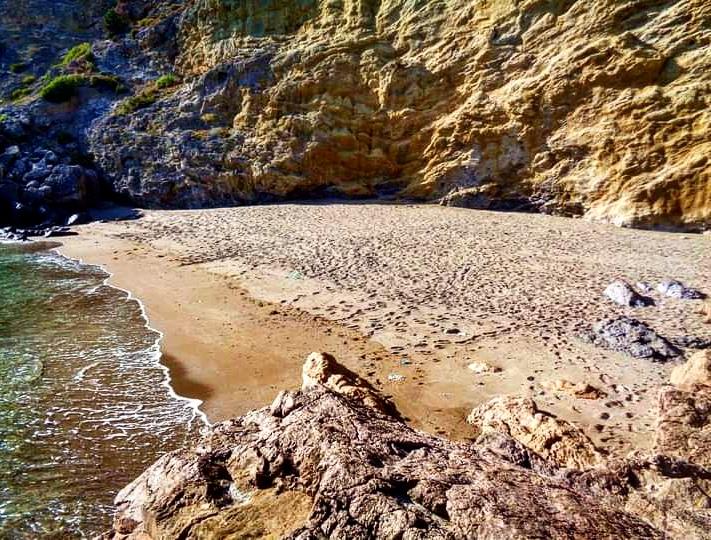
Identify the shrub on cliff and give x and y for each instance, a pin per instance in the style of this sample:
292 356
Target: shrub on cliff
104 81
62 88
141 100
166 81
81 53
18 68
115 23
19 93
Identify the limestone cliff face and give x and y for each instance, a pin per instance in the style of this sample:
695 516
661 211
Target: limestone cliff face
596 107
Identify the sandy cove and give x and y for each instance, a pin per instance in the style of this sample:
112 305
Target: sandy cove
408 297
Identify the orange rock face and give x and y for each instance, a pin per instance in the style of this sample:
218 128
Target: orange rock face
588 106
595 108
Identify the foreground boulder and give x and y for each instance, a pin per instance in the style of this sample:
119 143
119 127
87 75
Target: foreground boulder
322 464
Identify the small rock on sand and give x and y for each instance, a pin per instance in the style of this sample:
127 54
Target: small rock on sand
479 367
676 289
632 337
624 294
580 390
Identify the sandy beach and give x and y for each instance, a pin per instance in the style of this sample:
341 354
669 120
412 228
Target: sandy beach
439 308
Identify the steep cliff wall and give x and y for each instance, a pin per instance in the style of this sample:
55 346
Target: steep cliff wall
598 107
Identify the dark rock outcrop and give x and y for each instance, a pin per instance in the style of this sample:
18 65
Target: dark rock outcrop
632 337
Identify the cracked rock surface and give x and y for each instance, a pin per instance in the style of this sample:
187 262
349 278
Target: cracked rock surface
338 468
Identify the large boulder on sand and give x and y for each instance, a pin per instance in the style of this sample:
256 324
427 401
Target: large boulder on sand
632 337
676 289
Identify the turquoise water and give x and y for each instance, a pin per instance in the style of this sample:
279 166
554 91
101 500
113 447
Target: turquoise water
85 405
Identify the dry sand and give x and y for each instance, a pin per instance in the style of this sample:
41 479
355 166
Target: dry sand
407 296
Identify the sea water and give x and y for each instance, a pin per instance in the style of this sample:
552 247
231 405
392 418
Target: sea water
85 405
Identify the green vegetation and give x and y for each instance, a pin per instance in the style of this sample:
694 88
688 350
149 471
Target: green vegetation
143 99
115 23
148 95
166 81
18 68
108 82
62 88
78 54
3 117
28 80
19 93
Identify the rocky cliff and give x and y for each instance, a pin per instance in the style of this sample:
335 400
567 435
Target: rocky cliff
597 108
329 461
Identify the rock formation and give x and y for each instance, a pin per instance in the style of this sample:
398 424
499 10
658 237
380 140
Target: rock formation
322 464
696 370
554 439
632 337
624 294
594 108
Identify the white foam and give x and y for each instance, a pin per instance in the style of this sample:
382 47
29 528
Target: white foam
194 404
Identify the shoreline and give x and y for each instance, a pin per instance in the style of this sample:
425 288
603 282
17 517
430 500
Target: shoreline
243 295
194 403
228 374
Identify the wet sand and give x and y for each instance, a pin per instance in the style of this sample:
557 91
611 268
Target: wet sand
407 296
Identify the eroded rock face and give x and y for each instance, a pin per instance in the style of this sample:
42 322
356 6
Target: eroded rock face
322 369
554 439
696 370
567 107
319 464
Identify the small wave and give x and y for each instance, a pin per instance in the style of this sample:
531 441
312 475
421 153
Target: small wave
194 404
82 372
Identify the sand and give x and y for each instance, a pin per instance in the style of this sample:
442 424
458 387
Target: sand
407 296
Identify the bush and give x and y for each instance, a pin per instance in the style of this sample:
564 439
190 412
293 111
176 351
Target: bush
28 80
166 81
19 93
3 117
108 82
19 67
78 53
141 100
62 88
115 23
